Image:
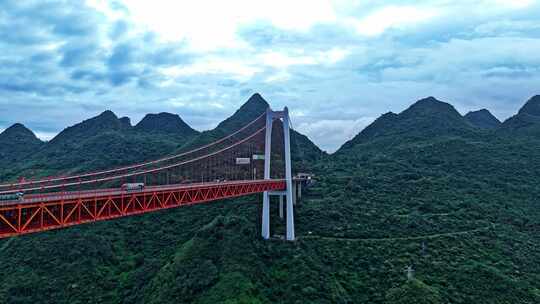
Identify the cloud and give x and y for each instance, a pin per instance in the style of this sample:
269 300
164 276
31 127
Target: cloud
514 3
209 25
334 131
45 136
235 69
337 64
392 17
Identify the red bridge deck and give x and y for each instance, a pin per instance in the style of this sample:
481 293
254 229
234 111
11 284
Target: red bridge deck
39 212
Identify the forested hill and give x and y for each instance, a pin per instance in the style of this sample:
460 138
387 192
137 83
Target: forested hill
107 141
425 118
16 143
430 118
483 119
423 190
100 142
526 121
302 148
461 206
168 123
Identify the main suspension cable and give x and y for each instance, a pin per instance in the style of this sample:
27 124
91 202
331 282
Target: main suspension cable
154 170
134 166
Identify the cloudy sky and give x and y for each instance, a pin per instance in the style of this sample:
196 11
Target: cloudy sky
337 64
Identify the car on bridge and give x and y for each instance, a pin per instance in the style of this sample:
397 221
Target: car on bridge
133 186
16 196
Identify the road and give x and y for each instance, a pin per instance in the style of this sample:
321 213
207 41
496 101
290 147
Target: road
57 196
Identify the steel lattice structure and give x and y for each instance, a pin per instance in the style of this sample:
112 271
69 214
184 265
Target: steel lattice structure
67 209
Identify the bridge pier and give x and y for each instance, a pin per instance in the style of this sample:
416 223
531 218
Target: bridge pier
266 216
280 206
297 195
294 193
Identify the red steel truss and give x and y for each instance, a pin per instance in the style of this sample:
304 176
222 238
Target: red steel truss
56 210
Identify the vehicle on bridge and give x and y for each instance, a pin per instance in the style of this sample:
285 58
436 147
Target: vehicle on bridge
307 177
133 186
16 196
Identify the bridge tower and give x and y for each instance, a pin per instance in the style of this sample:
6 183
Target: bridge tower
288 193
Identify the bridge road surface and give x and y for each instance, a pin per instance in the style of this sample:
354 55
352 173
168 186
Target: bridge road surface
58 196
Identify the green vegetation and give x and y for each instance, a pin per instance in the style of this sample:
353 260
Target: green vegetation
107 141
526 121
483 119
16 142
413 292
423 188
101 142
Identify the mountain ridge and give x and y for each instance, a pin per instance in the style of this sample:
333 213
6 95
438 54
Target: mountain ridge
425 118
16 130
526 121
302 148
106 140
460 211
100 142
483 119
248 111
166 123
16 142
106 121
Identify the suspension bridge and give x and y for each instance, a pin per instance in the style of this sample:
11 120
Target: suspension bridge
234 165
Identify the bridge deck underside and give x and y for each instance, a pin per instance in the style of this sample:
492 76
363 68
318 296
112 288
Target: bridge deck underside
54 210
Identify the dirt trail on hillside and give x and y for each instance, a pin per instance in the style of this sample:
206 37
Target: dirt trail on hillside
423 237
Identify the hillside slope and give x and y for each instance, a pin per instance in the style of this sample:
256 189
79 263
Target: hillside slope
16 143
168 123
101 142
303 150
483 119
526 121
460 209
427 117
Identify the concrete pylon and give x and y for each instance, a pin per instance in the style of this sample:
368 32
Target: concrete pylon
288 175
266 195
289 191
